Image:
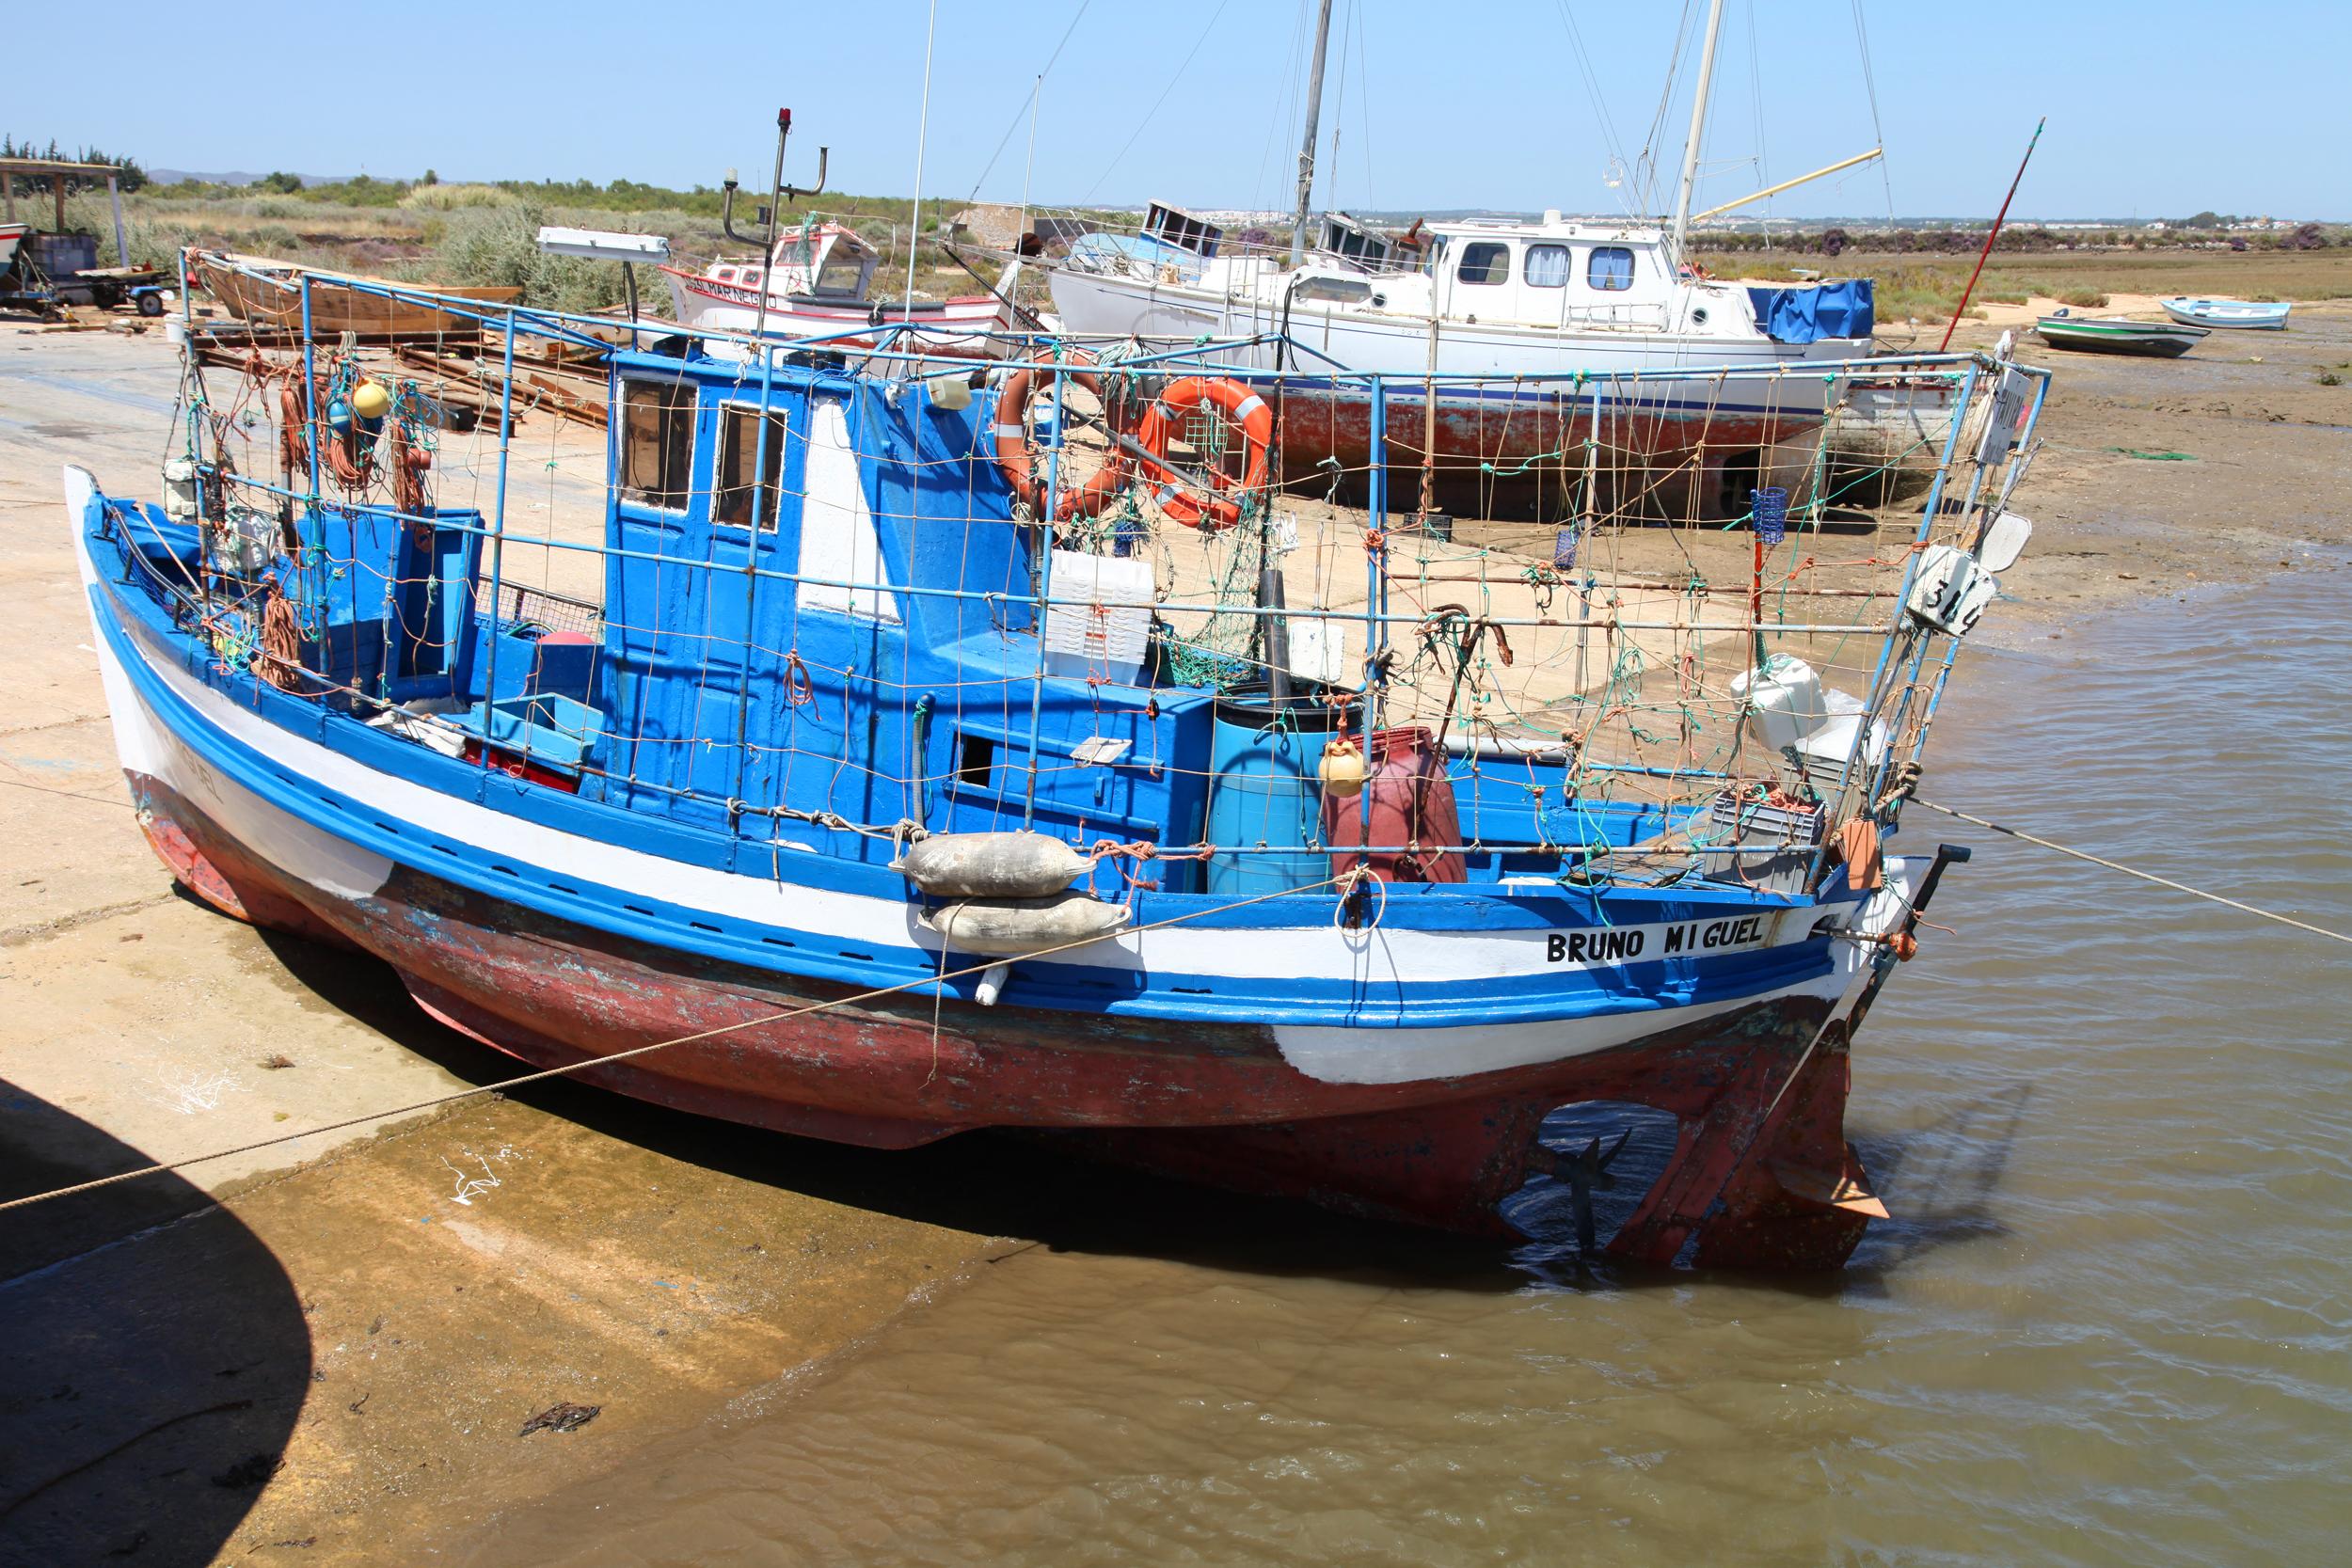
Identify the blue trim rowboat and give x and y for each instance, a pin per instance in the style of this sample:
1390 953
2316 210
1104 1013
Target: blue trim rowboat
2242 313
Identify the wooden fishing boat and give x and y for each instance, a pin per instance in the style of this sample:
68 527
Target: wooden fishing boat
263 292
2114 335
2240 313
894 853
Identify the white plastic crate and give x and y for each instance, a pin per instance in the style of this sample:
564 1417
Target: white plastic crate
1099 622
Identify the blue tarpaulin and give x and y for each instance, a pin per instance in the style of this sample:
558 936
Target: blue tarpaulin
1816 310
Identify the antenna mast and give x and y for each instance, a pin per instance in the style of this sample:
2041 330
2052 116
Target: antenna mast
1698 127
1307 145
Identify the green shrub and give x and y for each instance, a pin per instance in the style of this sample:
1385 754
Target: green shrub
500 246
445 198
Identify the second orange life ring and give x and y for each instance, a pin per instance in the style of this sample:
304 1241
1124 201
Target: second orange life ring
1010 437
1183 498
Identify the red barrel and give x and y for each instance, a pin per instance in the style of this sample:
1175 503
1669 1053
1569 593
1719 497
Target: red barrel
1414 832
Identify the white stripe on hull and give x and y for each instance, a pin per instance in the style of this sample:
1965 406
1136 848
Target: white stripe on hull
1376 957
1408 1056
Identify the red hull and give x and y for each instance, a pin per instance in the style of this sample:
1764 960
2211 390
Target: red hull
1212 1103
1531 451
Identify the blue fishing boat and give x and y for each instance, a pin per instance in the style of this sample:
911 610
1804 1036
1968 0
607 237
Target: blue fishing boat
851 764
2240 313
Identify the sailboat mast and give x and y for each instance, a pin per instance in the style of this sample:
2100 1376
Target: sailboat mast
1307 145
1698 127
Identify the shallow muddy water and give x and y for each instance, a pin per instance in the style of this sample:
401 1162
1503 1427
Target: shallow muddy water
2109 1324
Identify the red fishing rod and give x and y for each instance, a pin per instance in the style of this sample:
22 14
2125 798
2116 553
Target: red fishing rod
1963 309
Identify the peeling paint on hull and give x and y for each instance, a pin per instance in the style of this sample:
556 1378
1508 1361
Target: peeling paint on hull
1212 1102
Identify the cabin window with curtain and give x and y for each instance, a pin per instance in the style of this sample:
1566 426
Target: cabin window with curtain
741 495
657 442
1610 268
1485 262
1546 267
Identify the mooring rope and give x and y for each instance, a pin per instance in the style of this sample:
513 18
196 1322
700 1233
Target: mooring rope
2133 871
788 1015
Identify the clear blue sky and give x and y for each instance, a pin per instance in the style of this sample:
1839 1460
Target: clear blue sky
1440 102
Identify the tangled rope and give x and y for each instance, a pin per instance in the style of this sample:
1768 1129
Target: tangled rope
281 639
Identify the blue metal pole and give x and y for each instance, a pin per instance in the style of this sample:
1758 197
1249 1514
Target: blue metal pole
1376 587
1951 649
751 552
310 393
497 539
1044 578
1880 685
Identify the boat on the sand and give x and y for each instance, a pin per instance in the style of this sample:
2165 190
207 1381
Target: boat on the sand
2116 335
266 293
2243 314
860 802
816 283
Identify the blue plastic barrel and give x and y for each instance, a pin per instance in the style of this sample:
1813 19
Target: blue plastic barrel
1264 797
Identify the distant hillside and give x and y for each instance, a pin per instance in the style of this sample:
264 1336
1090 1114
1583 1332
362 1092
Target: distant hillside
234 177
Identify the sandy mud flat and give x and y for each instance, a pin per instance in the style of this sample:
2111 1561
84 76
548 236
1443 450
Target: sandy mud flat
328 1352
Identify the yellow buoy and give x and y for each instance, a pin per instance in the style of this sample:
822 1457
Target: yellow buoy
371 400
1341 769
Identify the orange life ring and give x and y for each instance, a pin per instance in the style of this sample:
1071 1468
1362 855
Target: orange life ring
1183 498
1014 460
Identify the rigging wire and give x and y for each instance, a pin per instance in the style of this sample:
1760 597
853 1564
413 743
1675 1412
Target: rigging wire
1281 116
1029 107
1145 123
922 142
1591 85
1756 94
2133 871
1869 85
1339 114
1363 111
1645 166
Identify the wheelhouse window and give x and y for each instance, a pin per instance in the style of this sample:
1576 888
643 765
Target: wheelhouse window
1610 268
1546 267
1485 262
1343 291
657 442
843 274
741 495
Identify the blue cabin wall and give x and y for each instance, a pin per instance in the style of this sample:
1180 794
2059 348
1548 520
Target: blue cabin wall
848 713
388 609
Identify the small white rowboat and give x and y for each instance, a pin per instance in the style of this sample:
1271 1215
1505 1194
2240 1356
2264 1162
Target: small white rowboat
2227 312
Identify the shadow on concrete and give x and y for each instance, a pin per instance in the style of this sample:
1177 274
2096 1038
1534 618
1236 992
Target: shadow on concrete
153 1355
1031 1186
1040 1187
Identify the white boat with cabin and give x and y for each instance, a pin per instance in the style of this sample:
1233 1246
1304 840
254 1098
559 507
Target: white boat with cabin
816 283
1610 300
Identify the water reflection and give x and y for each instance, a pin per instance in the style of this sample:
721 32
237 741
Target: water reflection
2108 1323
